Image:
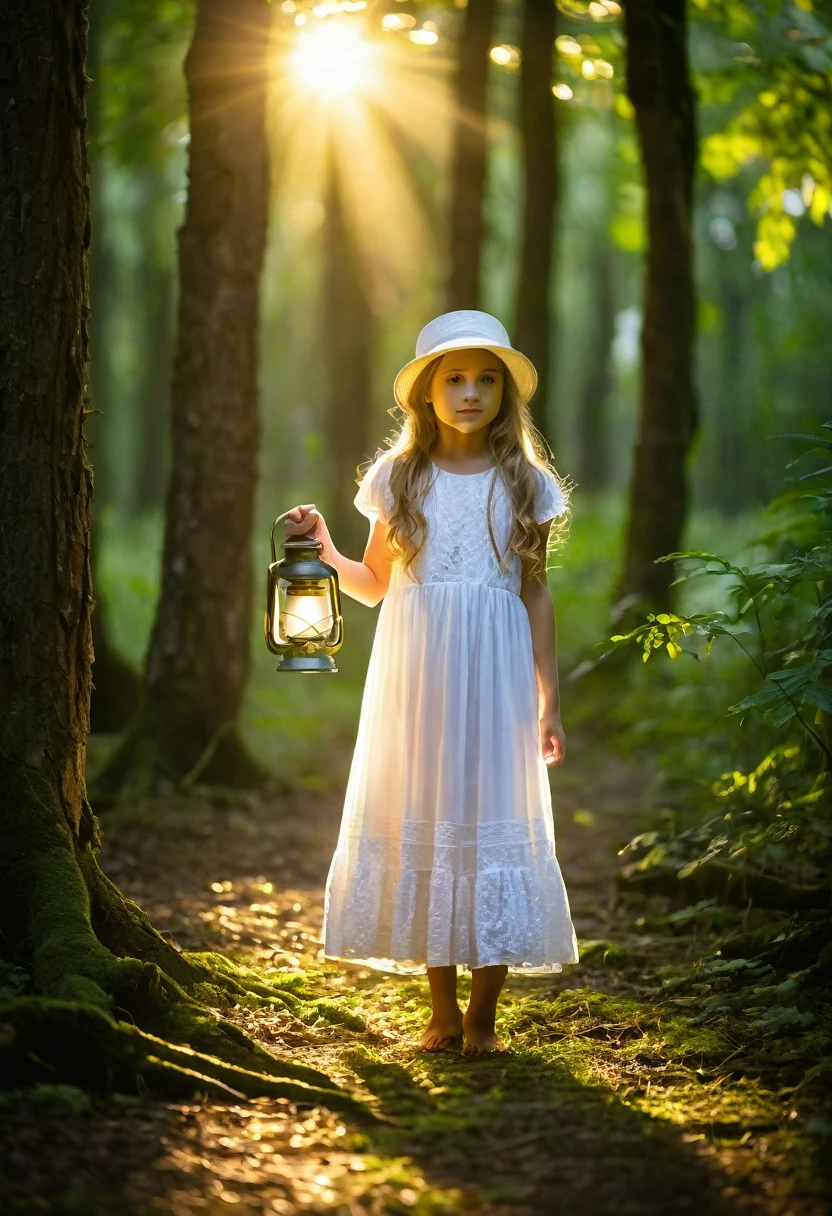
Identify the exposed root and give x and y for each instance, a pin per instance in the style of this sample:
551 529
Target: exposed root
126 930
93 957
59 1041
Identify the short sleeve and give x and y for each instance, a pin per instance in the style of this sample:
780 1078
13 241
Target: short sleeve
550 500
374 498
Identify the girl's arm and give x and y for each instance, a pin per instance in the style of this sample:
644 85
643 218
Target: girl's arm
534 592
366 581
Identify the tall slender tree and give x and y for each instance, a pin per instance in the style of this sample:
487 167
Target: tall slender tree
197 660
348 347
660 89
469 155
533 316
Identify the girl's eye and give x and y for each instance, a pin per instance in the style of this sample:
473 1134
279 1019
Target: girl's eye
488 379
453 379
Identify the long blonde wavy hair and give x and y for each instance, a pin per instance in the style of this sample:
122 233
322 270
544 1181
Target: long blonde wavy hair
517 448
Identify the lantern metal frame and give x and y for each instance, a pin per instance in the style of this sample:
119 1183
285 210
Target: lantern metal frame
301 562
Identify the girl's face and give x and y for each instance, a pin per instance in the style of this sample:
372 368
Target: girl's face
466 389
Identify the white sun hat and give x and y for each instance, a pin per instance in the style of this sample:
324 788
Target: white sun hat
466 330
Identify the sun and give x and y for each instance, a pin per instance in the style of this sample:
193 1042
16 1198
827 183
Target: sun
333 60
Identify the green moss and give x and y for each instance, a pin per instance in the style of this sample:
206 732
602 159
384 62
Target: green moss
54 901
67 1043
44 902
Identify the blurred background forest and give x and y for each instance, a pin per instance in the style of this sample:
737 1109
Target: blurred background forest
763 252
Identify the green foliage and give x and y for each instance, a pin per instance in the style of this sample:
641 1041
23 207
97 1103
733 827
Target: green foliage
138 46
776 85
774 816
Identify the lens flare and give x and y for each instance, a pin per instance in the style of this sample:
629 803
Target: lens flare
332 60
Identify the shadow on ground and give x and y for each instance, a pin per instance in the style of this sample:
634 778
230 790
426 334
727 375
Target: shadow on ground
608 1102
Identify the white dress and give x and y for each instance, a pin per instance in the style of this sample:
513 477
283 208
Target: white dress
446 853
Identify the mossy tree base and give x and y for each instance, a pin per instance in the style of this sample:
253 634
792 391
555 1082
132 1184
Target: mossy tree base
112 1003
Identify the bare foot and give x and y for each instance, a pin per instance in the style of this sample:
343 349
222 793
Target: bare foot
480 1039
441 1034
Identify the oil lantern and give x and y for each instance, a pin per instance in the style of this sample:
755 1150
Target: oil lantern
303 606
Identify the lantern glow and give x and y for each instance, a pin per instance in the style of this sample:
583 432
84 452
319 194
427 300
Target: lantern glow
305 613
303 606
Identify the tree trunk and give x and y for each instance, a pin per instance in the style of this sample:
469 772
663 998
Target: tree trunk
198 655
593 410
45 480
90 955
116 685
533 320
348 350
468 170
659 86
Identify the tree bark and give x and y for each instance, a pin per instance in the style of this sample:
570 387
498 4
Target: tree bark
469 159
593 411
45 480
348 347
659 86
198 655
533 319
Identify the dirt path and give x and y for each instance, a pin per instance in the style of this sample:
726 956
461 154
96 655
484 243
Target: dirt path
606 1104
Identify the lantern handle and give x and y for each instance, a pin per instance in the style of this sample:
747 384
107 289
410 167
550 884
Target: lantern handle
274 525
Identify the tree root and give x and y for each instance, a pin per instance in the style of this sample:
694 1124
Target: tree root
42 1040
90 950
125 929
166 1011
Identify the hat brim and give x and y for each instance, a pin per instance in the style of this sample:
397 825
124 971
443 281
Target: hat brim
522 370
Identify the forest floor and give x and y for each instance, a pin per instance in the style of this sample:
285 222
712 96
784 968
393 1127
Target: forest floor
610 1100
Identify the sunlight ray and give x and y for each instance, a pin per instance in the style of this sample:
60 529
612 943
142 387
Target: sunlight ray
386 90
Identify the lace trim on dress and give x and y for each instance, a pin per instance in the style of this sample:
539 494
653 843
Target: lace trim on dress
437 894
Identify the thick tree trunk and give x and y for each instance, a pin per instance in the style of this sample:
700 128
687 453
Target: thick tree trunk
198 655
533 320
593 411
45 480
469 160
91 955
348 350
659 86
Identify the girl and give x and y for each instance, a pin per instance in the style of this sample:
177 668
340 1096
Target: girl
446 855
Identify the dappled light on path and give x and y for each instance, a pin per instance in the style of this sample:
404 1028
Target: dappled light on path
608 1102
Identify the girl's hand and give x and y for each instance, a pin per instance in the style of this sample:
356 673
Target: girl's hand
552 738
306 520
